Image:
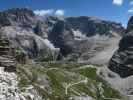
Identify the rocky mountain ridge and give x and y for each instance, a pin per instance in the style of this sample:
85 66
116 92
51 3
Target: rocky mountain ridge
62 38
17 16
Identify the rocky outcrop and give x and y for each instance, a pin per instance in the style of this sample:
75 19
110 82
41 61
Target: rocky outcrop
122 60
10 89
8 86
7 55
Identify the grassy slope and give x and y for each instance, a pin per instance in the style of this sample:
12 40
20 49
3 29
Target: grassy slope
60 75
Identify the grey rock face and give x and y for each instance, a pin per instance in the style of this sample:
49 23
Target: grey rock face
28 41
73 34
62 38
122 60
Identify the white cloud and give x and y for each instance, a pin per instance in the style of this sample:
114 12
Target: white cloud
59 12
130 10
44 12
49 12
118 2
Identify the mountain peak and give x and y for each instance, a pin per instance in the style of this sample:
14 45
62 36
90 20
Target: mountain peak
21 11
130 24
15 16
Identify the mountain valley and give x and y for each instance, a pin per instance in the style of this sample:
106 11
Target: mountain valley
64 58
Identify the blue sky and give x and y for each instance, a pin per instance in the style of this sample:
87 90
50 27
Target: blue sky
114 10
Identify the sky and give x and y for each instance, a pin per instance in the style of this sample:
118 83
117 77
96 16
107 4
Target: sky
113 10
